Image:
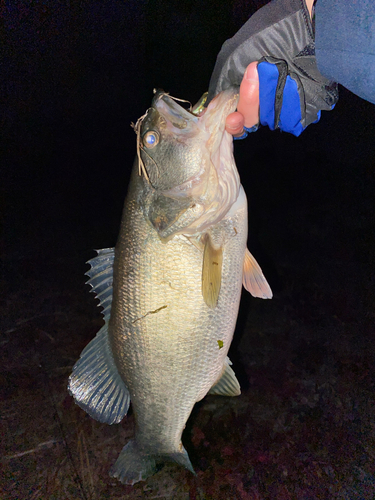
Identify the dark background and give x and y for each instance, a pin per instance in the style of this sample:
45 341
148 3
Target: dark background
74 75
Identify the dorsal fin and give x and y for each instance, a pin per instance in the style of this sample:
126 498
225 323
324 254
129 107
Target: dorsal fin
253 278
95 382
101 278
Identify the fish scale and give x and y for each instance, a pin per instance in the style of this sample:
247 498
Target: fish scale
171 288
171 356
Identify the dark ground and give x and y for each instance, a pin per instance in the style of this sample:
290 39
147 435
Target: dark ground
303 428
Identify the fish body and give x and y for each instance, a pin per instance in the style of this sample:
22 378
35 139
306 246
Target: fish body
178 269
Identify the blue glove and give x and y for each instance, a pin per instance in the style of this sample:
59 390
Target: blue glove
284 113
292 92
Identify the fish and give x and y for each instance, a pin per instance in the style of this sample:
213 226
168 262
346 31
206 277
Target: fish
171 287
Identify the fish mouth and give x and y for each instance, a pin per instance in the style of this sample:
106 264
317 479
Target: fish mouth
170 109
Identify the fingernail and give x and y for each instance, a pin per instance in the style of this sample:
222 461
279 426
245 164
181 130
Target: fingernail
249 75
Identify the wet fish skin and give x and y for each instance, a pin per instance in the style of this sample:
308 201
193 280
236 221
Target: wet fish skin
177 278
163 335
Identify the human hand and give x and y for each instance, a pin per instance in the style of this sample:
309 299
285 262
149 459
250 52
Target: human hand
278 41
247 115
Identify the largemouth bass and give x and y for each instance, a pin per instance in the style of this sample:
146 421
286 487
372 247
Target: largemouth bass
171 287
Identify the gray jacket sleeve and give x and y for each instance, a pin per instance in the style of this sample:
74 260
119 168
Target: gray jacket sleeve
345 44
281 31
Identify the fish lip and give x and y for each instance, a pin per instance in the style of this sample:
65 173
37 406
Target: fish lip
158 94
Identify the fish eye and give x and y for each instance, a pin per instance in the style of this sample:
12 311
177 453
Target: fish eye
150 139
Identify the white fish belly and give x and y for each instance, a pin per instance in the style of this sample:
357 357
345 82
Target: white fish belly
163 335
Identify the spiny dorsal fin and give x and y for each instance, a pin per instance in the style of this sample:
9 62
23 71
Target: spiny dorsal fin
227 385
253 278
211 272
101 278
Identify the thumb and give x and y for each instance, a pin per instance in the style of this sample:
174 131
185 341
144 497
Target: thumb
248 104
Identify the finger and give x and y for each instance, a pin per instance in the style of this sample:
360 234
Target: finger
248 104
234 124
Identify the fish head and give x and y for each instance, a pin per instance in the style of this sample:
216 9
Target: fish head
171 143
187 161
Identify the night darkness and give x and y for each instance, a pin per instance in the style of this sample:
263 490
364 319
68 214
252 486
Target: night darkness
74 75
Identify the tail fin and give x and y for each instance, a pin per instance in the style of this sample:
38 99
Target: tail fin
134 465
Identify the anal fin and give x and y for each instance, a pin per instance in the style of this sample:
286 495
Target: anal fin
211 272
227 385
95 383
253 278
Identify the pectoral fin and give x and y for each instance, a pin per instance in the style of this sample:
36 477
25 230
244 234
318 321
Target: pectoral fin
253 278
211 272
